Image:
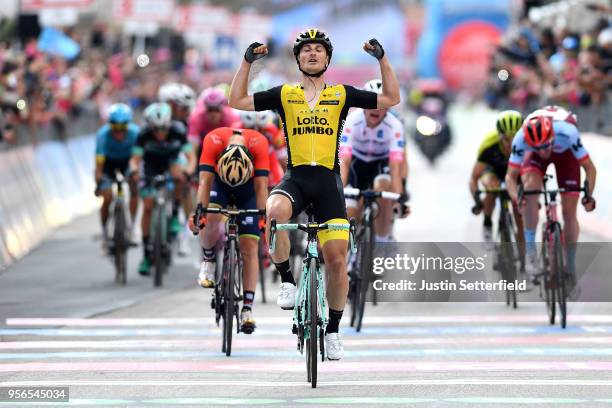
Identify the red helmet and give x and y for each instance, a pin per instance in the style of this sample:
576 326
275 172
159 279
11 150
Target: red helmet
538 130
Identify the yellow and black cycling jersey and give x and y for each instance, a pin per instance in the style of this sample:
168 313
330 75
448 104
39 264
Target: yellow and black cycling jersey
491 152
313 136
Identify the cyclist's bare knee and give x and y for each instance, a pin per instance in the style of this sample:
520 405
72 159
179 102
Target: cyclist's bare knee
278 207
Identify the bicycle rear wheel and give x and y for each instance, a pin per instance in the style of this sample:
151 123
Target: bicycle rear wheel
313 324
229 294
559 268
365 272
120 244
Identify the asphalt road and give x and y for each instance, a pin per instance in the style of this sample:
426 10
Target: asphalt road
63 322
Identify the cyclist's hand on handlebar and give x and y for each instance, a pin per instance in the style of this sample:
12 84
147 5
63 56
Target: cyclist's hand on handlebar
588 203
197 220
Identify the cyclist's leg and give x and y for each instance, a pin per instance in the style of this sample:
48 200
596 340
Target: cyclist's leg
210 235
328 199
284 201
568 176
106 192
532 174
353 207
489 180
383 222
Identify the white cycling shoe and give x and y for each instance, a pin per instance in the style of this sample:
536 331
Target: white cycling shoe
334 349
286 296
206 277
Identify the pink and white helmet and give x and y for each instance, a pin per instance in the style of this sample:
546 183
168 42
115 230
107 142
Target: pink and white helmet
213 98
556 113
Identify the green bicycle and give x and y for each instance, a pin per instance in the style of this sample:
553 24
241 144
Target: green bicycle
309 313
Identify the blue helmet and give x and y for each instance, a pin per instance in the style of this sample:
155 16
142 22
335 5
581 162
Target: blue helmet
119 113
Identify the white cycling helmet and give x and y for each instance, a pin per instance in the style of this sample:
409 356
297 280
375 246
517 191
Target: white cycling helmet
248 119
235 165
158 115
264 118
178 93
375 85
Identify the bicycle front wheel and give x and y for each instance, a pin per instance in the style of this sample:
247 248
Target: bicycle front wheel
229 294
365 272
559 269
158 245
507 258
548 281
120 244
313 316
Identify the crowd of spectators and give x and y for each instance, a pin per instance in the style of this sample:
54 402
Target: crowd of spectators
535 66
47 94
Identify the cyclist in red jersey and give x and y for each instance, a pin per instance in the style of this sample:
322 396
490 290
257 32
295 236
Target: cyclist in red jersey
234 170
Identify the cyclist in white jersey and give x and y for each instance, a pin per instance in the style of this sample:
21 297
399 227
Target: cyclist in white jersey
372 156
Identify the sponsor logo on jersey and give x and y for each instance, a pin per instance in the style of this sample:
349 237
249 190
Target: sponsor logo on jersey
310 125
295 101
332 102
380 134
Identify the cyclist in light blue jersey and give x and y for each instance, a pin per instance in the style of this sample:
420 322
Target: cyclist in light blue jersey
114 143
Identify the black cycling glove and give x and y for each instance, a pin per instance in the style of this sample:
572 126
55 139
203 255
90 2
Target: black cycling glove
250 56
378 52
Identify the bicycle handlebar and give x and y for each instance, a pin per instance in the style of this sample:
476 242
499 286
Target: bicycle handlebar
357 193
312 228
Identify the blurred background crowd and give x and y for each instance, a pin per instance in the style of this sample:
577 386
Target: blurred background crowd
61 67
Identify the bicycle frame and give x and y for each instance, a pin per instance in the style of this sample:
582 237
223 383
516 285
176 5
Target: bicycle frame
304 322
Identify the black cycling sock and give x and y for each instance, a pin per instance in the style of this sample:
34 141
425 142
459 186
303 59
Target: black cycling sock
334 320
249 297
145 247
487 221
208 254
285 272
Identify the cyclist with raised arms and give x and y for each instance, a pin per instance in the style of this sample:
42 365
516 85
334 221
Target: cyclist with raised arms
491 167
372 156
233 171
114 143
157 148
550 135
312 113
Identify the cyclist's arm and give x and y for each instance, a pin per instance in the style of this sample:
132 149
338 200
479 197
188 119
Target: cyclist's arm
261 191
477 170
390 92
591 173
261 164
239 97
191 158
137 152
345 165
100 157
395 168
512 176
203 194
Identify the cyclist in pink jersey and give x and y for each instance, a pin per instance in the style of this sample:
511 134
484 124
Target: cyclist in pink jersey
211 112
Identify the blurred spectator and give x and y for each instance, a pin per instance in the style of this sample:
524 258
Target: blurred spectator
536 66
